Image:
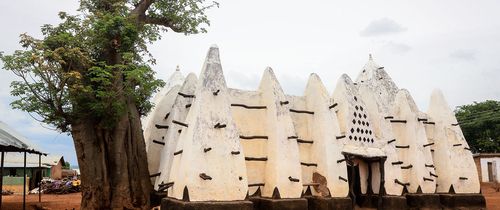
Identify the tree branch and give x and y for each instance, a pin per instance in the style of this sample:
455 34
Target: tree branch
141 7
162 22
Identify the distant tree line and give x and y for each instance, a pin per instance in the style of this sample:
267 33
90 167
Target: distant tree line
480 123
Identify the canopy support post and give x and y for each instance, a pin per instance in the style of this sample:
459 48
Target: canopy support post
41 177
1 179
24 182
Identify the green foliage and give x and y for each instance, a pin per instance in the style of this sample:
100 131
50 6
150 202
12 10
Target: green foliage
92 65
480 123
66 165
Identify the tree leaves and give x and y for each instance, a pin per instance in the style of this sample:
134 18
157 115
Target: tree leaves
92 64
480 123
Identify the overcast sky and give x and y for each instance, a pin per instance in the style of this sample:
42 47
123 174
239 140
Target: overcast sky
452 45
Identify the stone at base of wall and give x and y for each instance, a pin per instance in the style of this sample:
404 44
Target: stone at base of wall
367 201
392 202
174 204
322 203
463 201
423 201
155 197
261 203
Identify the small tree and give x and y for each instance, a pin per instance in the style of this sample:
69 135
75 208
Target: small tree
480 123
90 76
66 165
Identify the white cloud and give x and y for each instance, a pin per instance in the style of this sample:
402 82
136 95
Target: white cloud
465 55
381 27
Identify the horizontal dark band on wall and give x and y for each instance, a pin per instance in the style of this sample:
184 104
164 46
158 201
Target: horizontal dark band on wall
249 107
165 186
253 137
407 167
467 148
455 124
403 147
401 183
463 178
161 126
389 117
168 183
256 185
333 106
155 175
429 166
390 141
397 163
293 179
256 158
180 123
398 121
429 144
207 149
427 179
293 137
205 177
284 102
235 152
158 142
340 137
456 145
343 179
421 119
301 111
308 164
341 160
178 152
302 141
429 123
218 125
185 95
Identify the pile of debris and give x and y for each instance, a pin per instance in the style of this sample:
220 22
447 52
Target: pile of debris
64 186
7 192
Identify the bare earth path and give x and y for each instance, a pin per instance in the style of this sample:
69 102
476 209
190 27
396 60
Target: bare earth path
50 201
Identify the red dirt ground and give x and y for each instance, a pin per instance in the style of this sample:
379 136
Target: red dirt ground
492 197
72 201
50 201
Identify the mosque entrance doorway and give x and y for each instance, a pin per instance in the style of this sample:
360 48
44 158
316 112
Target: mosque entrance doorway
354 181
366 180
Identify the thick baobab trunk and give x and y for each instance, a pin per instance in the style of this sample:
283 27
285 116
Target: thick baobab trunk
113 163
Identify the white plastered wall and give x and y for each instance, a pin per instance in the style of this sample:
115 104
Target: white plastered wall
357 127
411 133
484 168
178 112
452 156
207 168
156 130
383 131
251 122
175 79
283 163
378 91
320 146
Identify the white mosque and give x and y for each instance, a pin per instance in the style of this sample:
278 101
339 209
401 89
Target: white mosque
366 145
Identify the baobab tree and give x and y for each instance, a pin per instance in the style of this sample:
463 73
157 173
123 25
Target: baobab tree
90 76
